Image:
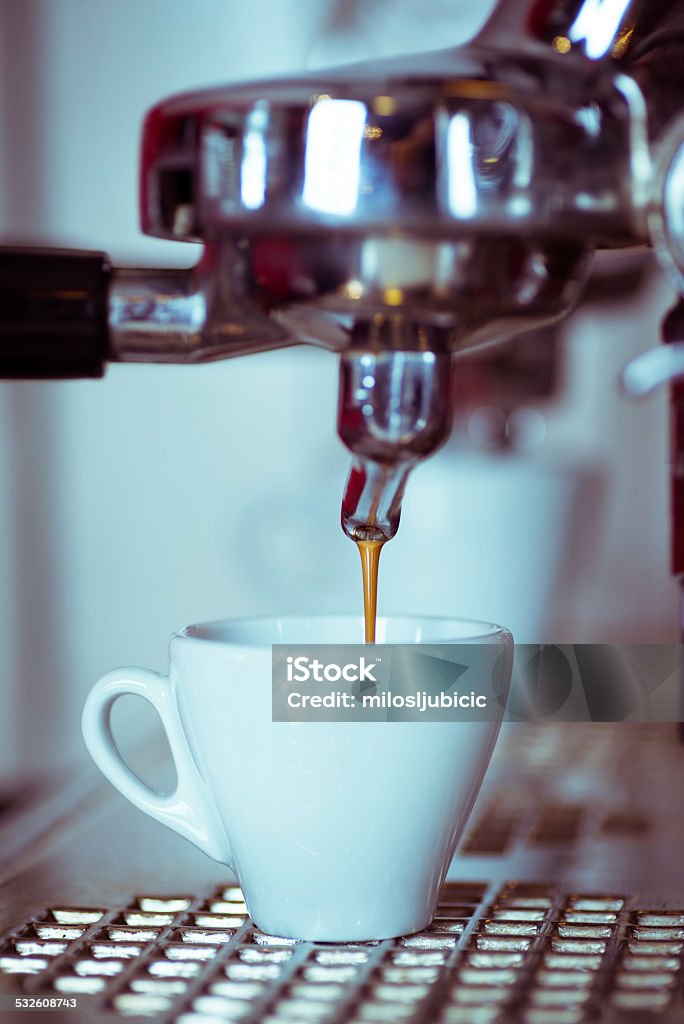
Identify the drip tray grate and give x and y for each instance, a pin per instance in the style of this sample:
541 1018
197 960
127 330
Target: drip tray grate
523 952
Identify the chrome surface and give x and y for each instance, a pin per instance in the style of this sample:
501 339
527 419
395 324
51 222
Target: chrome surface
478 291
187 316
465 188
456 197
394 409
460 193
666 215
450 144
522 952
598 31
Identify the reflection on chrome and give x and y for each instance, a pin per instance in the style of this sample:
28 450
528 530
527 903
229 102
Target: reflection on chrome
332 169
597 24
253 171
462 192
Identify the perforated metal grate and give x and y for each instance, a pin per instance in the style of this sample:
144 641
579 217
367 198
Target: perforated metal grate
525 953
596 812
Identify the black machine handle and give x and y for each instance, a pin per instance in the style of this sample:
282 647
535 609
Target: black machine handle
53 313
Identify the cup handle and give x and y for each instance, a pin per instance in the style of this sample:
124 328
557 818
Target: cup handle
186 810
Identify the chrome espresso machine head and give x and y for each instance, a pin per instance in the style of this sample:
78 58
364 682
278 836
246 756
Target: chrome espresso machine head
400 212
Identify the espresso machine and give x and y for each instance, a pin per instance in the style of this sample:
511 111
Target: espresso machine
405 214
400 213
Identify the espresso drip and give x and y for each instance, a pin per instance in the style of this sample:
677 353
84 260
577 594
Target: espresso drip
370 559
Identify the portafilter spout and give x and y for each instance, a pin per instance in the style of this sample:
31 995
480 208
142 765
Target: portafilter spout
394 410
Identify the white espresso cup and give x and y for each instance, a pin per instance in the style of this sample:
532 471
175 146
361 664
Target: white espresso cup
336 831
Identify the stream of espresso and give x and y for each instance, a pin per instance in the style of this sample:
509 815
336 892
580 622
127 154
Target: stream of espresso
370 559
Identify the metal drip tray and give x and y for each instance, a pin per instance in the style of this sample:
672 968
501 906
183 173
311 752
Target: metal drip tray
524 952
565 905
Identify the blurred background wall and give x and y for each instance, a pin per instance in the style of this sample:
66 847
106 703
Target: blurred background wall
164 495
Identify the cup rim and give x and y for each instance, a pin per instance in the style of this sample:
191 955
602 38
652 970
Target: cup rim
206 632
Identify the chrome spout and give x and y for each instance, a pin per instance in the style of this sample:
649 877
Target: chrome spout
394 410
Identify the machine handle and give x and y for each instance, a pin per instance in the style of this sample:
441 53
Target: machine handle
53 313
187 810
